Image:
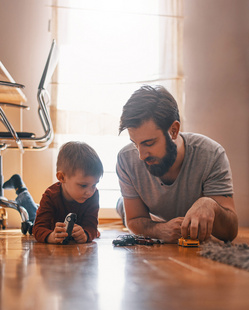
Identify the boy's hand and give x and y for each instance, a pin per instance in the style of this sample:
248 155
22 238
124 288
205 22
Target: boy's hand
79 234
59 233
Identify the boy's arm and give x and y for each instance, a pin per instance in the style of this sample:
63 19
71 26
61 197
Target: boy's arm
90 224
44 224
79 234
89 221
58 234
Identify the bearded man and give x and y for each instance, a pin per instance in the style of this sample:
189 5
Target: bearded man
184 179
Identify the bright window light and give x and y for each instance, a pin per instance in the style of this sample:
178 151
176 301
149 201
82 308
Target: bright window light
108 49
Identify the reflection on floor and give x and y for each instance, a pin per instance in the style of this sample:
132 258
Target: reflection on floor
98 276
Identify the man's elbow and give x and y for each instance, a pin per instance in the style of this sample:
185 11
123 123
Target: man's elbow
132 226
137 226
233 232
228 233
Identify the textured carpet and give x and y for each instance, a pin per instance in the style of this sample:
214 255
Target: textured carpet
236 255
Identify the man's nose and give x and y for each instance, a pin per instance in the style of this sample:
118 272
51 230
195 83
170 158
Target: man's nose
143 154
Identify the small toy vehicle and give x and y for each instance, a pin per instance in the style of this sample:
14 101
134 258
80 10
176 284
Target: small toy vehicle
69 221
158 241
188 242
144 240
123 240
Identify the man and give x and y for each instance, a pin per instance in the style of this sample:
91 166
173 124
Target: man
182 178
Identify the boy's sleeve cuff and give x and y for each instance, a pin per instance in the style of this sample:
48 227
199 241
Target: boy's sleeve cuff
87 236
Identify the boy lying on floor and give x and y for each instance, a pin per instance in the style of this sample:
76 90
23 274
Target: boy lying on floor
78 172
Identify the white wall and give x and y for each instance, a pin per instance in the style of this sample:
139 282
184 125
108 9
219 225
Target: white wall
216 66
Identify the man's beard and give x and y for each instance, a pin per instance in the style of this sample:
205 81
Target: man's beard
166 162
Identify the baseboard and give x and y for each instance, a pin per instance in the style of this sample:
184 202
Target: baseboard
110 221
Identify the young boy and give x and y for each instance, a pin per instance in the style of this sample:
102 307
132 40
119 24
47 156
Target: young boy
78 171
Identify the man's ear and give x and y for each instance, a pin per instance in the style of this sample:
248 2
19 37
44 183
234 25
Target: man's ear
174 130
60 176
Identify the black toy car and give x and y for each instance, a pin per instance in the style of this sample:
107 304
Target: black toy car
123 240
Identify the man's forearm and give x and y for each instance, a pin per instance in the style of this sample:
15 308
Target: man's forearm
225 224
170 231
143 226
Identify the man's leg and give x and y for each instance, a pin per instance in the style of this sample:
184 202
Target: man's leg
120 209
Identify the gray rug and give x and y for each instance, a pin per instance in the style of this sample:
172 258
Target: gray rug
236 255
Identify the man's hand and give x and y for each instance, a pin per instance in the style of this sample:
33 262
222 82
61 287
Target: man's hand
139 222
79 234
199 220
59 233
170 231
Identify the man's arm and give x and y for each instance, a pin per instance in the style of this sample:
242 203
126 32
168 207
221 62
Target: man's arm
226 220
139 222
211 215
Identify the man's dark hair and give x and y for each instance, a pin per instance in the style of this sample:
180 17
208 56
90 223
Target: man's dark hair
75 155
150 103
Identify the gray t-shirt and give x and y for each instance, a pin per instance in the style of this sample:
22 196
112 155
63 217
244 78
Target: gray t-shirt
205 172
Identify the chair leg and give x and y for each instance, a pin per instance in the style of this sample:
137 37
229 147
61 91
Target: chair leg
26 225
1 173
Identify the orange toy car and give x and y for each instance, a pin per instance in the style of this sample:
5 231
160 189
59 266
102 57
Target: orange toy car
188 242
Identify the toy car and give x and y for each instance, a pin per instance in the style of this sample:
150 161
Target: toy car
123 240
69 221
143 240
158 241
188 242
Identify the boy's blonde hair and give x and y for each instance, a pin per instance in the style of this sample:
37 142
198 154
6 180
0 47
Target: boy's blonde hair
75 155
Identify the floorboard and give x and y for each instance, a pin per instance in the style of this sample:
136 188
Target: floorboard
100 276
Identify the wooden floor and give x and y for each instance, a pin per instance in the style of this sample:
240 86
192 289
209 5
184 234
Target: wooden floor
98 276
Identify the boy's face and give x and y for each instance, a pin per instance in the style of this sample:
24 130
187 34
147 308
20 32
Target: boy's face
77 187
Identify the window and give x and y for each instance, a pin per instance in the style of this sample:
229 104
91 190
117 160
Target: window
108 49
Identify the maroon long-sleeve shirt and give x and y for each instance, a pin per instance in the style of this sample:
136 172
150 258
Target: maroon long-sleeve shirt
54 208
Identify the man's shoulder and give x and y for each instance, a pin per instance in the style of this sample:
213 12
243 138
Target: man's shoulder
128 158
202 142
127 148
129 151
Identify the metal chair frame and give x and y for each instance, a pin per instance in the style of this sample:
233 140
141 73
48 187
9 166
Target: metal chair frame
26 140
